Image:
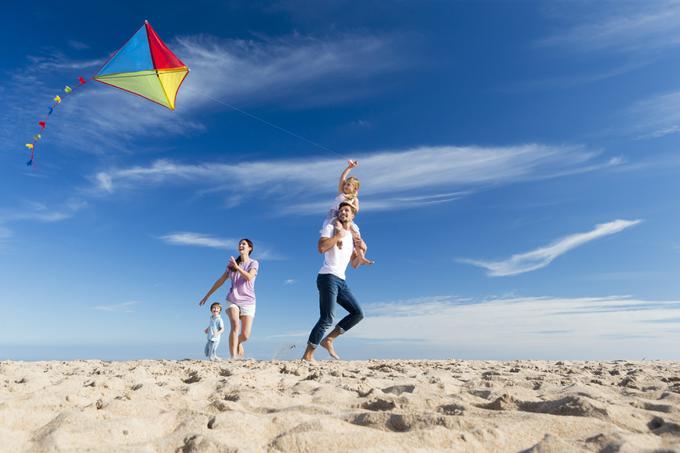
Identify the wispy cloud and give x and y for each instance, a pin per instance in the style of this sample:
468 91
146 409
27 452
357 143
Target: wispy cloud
5 234
186 238
31 211
40 212
124 307
274 69
78 45
528 327
656 116
243 72
394 179
621 26
290 281
541 257
200 240
567 80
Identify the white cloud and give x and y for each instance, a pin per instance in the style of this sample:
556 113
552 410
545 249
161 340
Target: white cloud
528 327
391 179
125 307
656 116
541 257
39 212
273 69
200 240
32 211
78 45
290 281
102 119
5 234
204 240
621 26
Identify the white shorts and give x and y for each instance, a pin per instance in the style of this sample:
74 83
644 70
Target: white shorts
244 310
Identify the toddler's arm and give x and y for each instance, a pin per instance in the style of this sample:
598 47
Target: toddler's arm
343 176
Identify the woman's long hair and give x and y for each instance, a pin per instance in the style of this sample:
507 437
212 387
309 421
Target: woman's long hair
238 260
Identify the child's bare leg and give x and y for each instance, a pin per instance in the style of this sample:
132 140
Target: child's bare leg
361 248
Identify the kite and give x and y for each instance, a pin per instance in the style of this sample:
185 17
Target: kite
144 66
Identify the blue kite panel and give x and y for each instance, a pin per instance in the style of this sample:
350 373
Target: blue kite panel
134 56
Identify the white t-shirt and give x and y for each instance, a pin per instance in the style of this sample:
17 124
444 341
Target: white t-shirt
335 260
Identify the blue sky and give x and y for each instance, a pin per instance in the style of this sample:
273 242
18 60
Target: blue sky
518 164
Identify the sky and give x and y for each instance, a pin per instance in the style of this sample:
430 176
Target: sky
518 165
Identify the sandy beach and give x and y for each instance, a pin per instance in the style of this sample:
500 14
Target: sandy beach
467 406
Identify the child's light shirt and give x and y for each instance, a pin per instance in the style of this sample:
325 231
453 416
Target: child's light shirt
216 324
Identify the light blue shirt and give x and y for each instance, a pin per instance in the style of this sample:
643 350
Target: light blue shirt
216 324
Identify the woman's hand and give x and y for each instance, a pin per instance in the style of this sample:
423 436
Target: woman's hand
203 301
352 163
233 263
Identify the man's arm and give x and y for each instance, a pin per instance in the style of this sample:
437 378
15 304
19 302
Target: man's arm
325 244
330 236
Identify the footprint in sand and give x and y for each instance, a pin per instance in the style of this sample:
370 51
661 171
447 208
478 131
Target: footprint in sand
571 405
451 409
659 426
192 378
399 389
379 404
550 443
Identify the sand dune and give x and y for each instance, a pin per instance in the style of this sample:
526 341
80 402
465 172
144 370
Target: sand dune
467 406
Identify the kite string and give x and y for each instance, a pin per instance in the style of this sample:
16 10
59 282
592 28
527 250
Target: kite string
275 126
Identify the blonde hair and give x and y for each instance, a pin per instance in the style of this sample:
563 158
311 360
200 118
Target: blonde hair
355 183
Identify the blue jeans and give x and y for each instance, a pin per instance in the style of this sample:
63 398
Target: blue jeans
334 290
211 348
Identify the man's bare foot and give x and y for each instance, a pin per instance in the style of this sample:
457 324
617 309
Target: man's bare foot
239 350
328 344
309 354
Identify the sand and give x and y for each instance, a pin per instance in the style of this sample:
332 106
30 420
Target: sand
467 406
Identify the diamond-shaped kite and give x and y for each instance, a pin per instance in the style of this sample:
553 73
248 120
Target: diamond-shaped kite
146 67
143 66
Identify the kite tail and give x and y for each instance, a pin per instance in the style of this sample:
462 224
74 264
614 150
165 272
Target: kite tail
68 91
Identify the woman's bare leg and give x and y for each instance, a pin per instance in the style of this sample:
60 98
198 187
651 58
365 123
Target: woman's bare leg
246 327
232 313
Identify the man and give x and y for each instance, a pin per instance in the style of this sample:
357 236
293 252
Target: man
331 283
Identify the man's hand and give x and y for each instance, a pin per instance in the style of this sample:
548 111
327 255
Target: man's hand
202 302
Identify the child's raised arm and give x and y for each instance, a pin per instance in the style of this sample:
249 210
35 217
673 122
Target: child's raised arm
343 176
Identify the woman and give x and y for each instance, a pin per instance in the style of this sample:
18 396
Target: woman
241 298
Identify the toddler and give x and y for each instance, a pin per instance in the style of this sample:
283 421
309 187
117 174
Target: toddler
214 331
348 192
